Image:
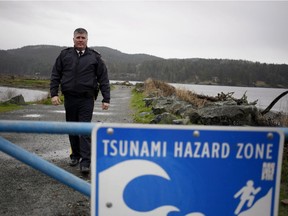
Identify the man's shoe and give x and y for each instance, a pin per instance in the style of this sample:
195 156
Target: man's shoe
73 162
84 169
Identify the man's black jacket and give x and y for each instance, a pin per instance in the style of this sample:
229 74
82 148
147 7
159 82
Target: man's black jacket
80 75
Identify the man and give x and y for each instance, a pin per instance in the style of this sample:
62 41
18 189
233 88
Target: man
80 72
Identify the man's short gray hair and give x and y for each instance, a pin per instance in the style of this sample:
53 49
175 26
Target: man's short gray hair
80 31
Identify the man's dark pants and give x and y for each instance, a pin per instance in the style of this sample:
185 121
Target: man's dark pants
80 109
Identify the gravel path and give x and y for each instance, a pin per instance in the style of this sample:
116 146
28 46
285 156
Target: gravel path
25 191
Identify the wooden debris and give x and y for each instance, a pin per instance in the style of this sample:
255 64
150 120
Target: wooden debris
285 201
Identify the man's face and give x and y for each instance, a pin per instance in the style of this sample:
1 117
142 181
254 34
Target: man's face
80 41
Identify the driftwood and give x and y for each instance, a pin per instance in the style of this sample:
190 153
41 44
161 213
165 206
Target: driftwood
224 97
220 97
273 103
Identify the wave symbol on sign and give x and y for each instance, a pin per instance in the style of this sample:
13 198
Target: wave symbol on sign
111 189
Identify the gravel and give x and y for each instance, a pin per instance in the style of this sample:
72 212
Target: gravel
25 191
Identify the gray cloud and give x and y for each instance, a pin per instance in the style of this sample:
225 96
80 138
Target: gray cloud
247 30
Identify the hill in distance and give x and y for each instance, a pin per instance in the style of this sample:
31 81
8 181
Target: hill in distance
37 61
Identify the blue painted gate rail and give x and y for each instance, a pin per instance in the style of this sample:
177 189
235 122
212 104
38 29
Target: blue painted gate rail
42 165
37 162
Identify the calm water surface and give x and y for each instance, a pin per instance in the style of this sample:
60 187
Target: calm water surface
28 94
264 95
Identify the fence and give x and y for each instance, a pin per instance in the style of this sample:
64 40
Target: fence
42 165
37 162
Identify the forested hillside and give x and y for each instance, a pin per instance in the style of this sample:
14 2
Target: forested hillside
217 71
37 62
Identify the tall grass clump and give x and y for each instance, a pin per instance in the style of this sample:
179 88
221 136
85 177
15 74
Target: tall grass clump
158 88
190 97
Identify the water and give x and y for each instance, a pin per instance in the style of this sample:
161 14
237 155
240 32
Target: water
29 95
264 95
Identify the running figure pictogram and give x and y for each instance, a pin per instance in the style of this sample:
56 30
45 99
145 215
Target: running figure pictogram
246 193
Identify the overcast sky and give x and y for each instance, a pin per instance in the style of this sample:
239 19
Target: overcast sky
247 30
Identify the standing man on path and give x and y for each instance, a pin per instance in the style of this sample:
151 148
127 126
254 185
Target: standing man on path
80 72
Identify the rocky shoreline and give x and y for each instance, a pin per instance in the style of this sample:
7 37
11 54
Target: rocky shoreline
170 108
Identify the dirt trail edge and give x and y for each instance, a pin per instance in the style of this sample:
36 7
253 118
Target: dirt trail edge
25 191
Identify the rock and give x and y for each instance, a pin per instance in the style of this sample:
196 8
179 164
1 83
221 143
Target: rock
228 115
19 100
143 114
164 118
181 121
171 110
158 110
173 106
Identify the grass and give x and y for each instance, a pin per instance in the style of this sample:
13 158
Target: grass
22 82
142 113
47 101
6 107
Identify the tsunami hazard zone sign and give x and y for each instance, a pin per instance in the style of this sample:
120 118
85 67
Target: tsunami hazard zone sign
185 170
